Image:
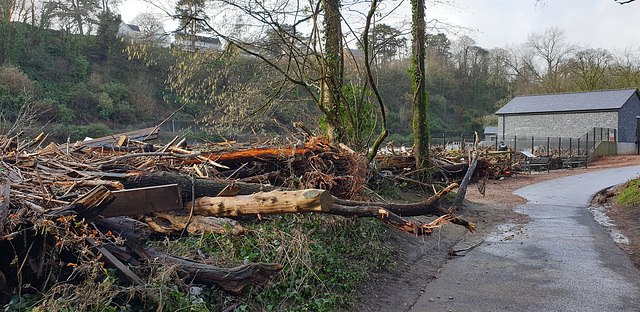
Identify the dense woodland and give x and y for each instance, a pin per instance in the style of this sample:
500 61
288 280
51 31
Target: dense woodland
81 80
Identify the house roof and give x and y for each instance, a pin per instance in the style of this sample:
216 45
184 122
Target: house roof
491 130
134 27
210 40
568 102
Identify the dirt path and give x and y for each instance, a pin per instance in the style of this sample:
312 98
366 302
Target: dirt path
419 259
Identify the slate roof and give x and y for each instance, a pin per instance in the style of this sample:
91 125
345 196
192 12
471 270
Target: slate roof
134 27
491 130
568 102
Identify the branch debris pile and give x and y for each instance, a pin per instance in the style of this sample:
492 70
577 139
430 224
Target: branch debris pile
69 209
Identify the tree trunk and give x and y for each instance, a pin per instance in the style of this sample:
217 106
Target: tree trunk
275 202
190 189
457 203
333 69
305 201
231 280
175 222
420 125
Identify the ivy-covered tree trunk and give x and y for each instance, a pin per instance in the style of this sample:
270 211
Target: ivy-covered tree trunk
333 68
420 124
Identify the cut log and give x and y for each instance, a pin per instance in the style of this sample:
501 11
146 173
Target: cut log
231 280
175 222
275 202
201 187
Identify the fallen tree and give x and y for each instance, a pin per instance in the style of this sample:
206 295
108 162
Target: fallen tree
320 201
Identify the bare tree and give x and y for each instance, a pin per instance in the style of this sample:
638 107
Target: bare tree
625 69
150 25
553 50
77 16
589 67
18 10
269 31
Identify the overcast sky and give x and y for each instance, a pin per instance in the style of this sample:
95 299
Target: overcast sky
496 23
588 23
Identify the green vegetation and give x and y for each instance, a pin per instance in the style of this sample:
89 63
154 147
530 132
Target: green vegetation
629 196
325 259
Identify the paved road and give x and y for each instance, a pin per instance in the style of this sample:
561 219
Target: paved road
562 260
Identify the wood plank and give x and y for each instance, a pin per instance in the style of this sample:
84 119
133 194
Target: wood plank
138 135
115 263
144 200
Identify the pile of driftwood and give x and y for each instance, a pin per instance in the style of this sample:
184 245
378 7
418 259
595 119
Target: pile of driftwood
62 205
446 167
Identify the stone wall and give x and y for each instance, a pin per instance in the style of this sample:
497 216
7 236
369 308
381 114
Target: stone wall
566 125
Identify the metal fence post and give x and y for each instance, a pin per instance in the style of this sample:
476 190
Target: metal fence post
515 143
570 148
548 146
586 148
560 147
531 144
578 146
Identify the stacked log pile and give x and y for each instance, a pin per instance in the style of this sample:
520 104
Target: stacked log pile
66 208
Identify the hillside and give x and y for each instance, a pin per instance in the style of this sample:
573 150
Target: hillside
91 86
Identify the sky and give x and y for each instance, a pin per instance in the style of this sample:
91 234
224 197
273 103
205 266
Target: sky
498 23
587 23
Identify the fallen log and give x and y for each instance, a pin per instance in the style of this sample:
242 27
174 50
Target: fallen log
457 203
427 207
231 280
190 188
175 222
274 202
320 201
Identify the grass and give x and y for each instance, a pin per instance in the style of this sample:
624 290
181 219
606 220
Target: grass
325 259
629 196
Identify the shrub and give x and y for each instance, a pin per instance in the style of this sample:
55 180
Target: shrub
14 80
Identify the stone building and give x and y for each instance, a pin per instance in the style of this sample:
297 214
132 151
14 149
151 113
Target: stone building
571 115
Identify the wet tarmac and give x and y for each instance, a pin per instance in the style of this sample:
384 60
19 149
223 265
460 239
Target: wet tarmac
561 260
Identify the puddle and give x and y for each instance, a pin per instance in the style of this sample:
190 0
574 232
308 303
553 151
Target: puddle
504 232
599 215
